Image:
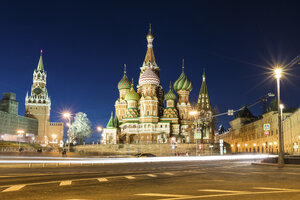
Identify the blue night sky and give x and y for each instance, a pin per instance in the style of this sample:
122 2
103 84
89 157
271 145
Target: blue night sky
86 43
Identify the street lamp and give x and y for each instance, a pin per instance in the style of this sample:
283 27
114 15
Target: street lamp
278 74
99 128
67 115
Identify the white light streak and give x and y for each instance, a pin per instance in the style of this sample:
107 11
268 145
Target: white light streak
41 160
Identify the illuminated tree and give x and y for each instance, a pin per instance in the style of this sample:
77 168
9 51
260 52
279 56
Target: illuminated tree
80 128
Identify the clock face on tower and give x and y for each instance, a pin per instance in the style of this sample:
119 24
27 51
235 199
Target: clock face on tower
38 91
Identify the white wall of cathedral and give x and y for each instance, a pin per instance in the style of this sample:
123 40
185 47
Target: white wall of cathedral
170 103
184 111
109 136
132 104
122 93
149 108
120 108
183 96
137 128
149 90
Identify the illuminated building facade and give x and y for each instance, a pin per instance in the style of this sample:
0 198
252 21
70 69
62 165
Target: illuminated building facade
38 106
142 117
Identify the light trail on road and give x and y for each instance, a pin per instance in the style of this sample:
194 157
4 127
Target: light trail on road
42 160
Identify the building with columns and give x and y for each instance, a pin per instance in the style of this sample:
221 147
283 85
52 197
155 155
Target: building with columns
142 117
38 106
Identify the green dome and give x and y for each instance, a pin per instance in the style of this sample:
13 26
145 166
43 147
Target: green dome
170 95
183 83
132 95
124 83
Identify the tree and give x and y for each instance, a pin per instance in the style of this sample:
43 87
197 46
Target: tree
80 128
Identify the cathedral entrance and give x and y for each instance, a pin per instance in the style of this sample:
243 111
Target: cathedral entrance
133 139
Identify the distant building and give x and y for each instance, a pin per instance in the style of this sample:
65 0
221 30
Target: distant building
247 132
38 106
11 122
291 133
142 117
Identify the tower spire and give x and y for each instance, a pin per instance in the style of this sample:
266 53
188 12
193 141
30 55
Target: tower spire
203 75
182 64
150 54
40 64
124 69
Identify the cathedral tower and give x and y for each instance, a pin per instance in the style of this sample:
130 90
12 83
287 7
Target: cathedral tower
150 61
132 99
149 82
183 87
205 127
121 104
38 104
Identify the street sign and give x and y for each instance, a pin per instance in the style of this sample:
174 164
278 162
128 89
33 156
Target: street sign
266 132
230 112
266 127
197 136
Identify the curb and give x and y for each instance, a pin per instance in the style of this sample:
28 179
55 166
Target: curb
276 165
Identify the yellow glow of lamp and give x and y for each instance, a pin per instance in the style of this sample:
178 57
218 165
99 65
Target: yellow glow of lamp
193 112
99 128
66 115
278 73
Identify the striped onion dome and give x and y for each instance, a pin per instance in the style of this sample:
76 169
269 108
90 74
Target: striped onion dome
149 77
132 95
170 95
183 83
124 82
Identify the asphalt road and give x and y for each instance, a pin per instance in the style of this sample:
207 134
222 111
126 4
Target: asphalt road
215 180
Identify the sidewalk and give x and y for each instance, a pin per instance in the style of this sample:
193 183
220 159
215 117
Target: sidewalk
276 165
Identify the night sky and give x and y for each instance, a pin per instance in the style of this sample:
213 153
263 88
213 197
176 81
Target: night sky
86 43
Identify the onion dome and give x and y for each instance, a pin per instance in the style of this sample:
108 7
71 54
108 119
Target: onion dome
170 95
132 95
124 82
149 77
149 35
183 83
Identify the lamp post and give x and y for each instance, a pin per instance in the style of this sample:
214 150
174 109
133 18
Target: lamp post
278 73
68 116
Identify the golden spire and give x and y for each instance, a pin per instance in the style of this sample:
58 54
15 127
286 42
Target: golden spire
183 64
124 69
150 54
150 36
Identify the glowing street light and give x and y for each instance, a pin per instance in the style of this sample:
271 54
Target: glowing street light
99 128
193 112
67 115
278 74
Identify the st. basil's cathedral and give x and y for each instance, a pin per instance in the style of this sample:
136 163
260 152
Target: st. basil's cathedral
142 117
